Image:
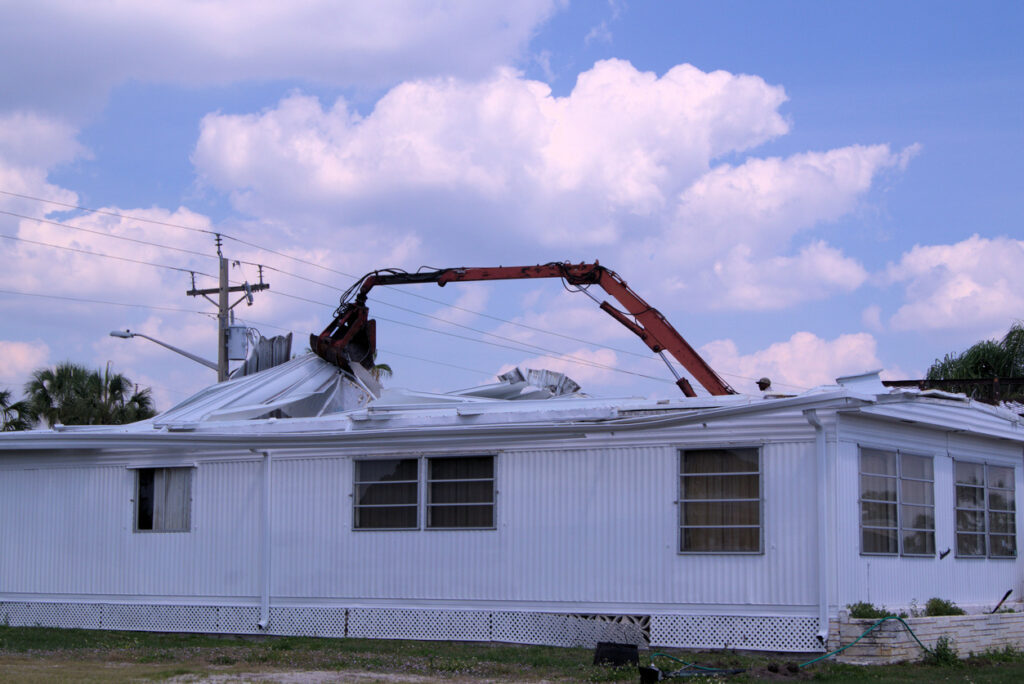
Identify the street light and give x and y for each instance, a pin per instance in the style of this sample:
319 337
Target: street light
128 334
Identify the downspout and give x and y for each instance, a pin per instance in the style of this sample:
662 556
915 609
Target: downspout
823 599
265 546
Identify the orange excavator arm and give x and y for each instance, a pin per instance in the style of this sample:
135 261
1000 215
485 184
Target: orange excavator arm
351 336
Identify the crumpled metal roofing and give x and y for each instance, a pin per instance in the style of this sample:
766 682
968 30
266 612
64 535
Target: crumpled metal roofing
303 387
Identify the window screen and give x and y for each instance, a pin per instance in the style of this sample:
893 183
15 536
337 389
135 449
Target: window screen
986 518
163 499
386 494
460 492
720 501
897 503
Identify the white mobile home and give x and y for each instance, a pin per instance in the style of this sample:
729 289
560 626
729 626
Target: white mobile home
293 502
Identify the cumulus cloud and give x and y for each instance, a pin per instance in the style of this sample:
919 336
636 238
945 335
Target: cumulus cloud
976 284
18 360
622 166
801 362
763 202
222 41
743 280
622 141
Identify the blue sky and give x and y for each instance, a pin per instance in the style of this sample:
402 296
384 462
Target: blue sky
805 189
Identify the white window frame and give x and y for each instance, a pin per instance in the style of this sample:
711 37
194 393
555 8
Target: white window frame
986 510
137 499
899 502
681 502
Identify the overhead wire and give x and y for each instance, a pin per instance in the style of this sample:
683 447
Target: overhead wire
307 262
570 358
106 256
125 238
87 300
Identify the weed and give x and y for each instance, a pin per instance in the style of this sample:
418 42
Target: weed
936 607
943 654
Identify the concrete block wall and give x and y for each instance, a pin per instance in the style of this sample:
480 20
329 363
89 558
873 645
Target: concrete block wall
891 642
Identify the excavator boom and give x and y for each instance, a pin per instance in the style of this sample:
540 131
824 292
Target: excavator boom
350 337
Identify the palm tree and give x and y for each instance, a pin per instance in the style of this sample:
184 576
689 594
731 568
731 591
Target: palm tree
74 395
985 360
14 415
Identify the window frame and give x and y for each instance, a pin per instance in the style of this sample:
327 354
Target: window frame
428 504
680 451
137 499
899 502
423 483
355 494
986 510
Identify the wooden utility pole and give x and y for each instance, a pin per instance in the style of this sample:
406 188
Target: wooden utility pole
223 307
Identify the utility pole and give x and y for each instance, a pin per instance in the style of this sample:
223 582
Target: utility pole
223 308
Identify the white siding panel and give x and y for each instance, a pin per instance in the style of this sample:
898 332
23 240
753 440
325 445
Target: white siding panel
591 528
894 581
70 531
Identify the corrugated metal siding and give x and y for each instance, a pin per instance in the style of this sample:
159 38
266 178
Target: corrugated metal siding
581 526
895 581
70 531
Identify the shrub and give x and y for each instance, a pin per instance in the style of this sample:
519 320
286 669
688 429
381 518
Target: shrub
865 610
936 607
943 654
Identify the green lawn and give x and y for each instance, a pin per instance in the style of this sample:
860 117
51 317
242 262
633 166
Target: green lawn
39 654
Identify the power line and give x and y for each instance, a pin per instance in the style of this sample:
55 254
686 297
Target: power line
342 273
106 213
535 349
101 301
109 235
308 263
106 256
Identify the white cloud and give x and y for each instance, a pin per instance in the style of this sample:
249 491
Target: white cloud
18 360
501 170
213 42
801 362
557 169
976 284
871 317
742 280
466 308
766 201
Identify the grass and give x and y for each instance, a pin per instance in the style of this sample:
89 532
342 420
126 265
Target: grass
39 654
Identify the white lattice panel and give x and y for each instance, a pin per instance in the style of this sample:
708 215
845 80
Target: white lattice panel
67 615
323 622
431 625
160 618
792 634
555 629
238 620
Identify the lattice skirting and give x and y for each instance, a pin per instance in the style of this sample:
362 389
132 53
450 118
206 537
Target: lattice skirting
552 629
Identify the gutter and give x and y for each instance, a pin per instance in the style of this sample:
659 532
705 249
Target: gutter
822 527
419 436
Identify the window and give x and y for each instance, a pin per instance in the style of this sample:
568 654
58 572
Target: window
897 503
460 492
720 501
163 499
386 494
986 518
